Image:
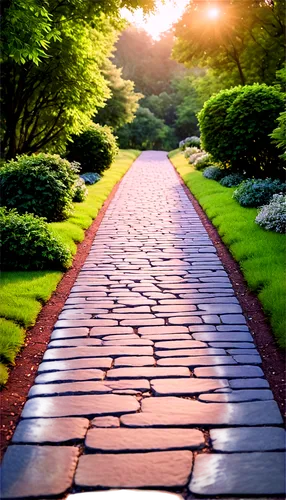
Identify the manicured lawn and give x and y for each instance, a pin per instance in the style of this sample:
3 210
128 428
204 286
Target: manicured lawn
260 253
22 294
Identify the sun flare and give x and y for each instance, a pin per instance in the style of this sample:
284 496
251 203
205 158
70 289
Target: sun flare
213 13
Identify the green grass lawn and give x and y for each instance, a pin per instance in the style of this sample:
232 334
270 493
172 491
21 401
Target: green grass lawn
23 293
260 253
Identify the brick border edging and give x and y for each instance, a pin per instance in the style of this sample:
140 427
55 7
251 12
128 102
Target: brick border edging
12 401
273 359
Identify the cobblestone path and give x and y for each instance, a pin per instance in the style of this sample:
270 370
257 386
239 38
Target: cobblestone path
151 379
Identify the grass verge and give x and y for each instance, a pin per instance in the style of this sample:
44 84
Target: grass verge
23 293
260 253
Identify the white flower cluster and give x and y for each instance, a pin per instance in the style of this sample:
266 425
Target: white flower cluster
273 215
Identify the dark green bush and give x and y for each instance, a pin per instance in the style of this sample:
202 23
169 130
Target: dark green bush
42 184
95 148
257 192
192 141
279 135
235 126
28 243
231 180
213 173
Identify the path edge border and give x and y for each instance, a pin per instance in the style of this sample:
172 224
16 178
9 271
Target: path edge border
273 359
39 335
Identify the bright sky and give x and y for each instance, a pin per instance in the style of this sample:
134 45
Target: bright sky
160 21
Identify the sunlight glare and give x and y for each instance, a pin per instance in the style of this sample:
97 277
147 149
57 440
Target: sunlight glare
213 13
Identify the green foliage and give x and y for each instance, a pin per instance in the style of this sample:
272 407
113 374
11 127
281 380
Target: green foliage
80 190
244 44
41 184
95 148
202 162
11 340
273 216
279 134
213 173
261 254
231 180
257 192
28 243
121 106
146 132
235 126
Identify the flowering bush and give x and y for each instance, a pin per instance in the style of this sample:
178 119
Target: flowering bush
273 215
202 162
196 156
191 151
257 192
189 142
213 173
231 180
80 190
90 177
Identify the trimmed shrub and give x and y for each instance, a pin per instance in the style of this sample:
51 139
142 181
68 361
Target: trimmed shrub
95 148
279 135
80 190
257 192
191 151
213 173
231 180
202 162
28 243
194 157
235 126
42 184
273 216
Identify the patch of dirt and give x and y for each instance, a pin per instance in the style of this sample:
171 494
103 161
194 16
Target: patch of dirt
273 358
22 375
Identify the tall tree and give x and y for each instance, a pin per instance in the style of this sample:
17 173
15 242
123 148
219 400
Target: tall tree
244 39
51 78
122 104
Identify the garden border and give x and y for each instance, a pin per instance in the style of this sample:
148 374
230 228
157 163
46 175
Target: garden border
273 359
22 375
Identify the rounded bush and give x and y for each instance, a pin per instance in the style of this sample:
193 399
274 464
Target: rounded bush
195 156
231 180
191 151
95 148
235 126
42 184
213 173
257 192
192 141
28 243
273 216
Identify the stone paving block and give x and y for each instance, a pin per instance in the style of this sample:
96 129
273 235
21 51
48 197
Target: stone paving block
178 412
74 387
142 322
128 342
98 331
220 308
75 364
180 344
248 439
66 333
248 383
147 372
123 494
185 320
244 371
223 337
95 352
237 396
195 361
79 406
168 469
205 352
46 479
69 376
124 440
134 361
50 430
186 387
74 342
233 347
105 422
247 359
89 323
239 474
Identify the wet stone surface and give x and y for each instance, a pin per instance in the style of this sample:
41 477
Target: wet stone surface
151 378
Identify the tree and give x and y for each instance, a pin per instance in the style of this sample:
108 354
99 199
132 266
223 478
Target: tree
146 132
122 104
245 41
51 77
